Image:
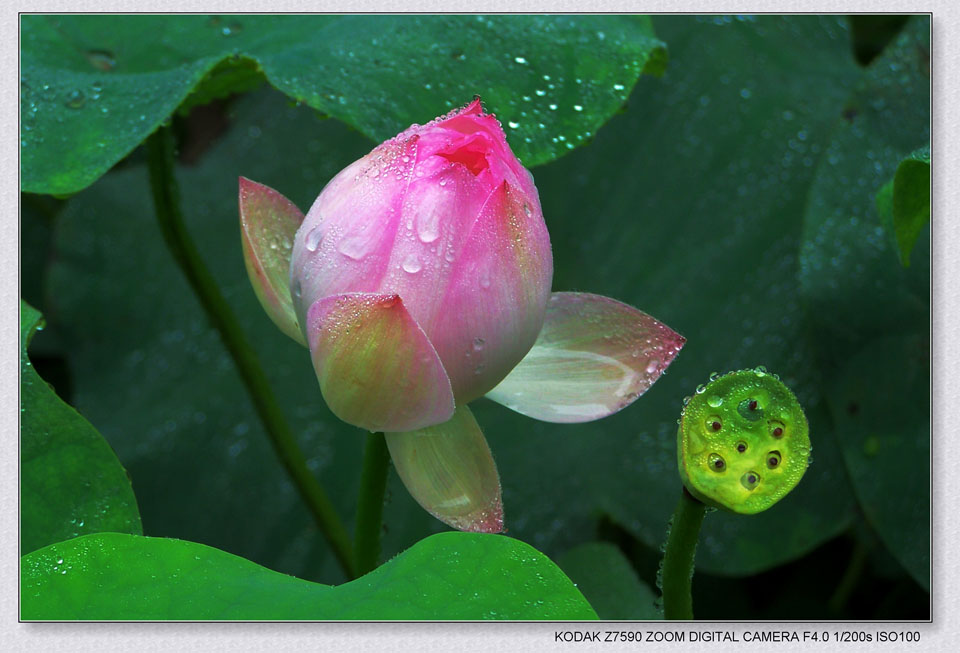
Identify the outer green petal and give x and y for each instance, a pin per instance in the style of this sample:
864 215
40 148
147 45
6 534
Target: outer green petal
376 367
594 357
268 223
450 471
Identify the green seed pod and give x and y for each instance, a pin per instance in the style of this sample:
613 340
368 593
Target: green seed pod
743 442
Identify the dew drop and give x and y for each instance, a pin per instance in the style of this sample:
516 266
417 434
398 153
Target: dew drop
652 367
313 239
714 400
412 264
577 107
355 247
520 60
75 99
428 226
513 125
101 59
478 344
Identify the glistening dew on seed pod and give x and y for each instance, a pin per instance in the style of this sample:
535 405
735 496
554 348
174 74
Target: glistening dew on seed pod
743 441
420 280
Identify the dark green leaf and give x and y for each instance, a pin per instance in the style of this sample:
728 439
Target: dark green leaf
608 581
446 576
856 294
848 274
71 482
881 403
93 87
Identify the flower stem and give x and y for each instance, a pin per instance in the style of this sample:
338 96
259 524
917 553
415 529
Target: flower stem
166 200
678 557
373 484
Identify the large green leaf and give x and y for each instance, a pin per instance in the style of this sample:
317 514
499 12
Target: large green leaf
446 576
71 482
689 206
857 293
881 402
93 87
849 277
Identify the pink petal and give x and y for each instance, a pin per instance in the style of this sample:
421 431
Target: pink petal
347 237
494 303
377 370
268 223
449 470
594 357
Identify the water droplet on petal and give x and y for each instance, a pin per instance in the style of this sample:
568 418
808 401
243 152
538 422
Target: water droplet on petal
314 238
411 264
428 226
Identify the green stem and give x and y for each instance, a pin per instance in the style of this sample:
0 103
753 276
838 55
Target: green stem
858 561
166 202
373 484
678 557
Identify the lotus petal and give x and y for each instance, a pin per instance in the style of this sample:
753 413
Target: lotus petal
376 367
449 470
268 224
494 304
594 357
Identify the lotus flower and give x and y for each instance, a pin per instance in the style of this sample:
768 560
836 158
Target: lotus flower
420 281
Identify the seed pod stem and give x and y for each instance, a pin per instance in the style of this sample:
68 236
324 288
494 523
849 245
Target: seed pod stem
678 558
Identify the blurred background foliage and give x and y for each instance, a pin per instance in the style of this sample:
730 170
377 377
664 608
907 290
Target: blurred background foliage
733 197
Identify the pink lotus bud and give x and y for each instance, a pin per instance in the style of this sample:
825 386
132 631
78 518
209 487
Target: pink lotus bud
420 280
445 222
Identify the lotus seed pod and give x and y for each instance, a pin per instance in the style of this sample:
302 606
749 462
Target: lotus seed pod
743 442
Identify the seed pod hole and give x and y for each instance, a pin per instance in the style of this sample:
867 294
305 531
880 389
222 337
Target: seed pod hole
716 462
713 424
750 410
741 447
776 429
750 480
773 460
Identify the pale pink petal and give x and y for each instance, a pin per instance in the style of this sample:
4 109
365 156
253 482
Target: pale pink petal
268 223
494 304
347 237
593 357
449 470
377 370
